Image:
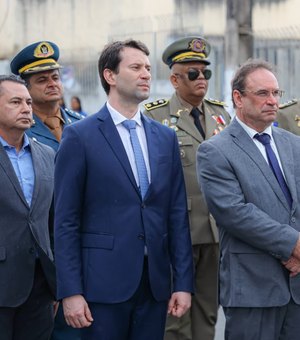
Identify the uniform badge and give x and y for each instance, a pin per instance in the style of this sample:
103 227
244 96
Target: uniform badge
165 122
174 120
178 113
197 45
297 119
43 50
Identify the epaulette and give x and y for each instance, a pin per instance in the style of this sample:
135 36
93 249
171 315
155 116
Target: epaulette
155 104
73 114
289 103
215 102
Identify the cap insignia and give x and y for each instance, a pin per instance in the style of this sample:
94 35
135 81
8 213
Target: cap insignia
197 45
43 50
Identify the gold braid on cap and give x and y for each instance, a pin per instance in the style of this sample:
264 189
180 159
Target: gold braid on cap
37 63
187 55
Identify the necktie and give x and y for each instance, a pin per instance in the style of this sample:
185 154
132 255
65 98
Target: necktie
130 125
265 139
196 115
54 124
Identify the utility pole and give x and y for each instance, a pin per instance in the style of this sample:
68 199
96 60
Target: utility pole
238 38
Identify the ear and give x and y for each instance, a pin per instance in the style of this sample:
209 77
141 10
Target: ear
237 98
109 76
174 81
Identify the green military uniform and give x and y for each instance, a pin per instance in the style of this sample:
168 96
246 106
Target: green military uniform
176 114
288 116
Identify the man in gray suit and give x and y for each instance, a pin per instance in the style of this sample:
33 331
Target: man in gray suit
250 177
27 274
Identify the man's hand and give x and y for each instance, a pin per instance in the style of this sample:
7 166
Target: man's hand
293 265
296 251
77 312
179 303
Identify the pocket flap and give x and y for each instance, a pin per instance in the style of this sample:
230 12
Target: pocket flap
105 241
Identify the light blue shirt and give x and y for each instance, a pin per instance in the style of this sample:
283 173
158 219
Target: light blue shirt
118 119
23 166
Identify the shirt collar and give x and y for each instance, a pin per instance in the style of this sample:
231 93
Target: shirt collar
118 118
26 143
251 132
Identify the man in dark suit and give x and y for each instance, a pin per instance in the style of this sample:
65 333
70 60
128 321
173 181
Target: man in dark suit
27 273
122 222
249 174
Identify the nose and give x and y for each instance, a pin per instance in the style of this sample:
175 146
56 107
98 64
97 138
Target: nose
146 74
272 99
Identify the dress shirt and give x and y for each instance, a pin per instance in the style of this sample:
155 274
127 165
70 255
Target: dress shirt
251 132
118 118
23 166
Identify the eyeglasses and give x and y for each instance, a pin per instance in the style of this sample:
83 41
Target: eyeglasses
264 94
193 74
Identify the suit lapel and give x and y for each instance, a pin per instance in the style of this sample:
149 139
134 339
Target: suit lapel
8 169
37 170
110 133
287 160
152 137
244 142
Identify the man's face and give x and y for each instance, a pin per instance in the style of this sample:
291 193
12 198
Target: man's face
258 104
15 107
45 87
190 90
132 81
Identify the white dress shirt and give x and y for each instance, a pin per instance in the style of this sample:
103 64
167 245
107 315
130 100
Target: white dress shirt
251 132
118 119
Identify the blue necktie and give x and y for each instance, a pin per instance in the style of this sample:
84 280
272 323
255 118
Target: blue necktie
130 125
265 139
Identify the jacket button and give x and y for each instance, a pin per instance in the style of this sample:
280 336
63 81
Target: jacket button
293 219
141 237
31 250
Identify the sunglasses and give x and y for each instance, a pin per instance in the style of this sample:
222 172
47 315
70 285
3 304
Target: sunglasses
193 74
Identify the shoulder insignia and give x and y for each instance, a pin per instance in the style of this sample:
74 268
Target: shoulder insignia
215 102
155 104
74 114
287 104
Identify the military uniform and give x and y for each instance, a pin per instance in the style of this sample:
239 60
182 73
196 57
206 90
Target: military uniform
288 116
42 133
175 113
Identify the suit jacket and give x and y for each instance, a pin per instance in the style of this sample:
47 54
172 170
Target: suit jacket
288 116
257 228
177 116
102 223
24 229
42 133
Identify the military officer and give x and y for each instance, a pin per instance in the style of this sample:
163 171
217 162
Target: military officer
194 118
288 116
38 65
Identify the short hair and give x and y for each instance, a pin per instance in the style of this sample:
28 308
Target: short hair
110 57
239 80
12 78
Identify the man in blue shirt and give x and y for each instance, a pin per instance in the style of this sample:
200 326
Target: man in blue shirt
38 65
27 273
